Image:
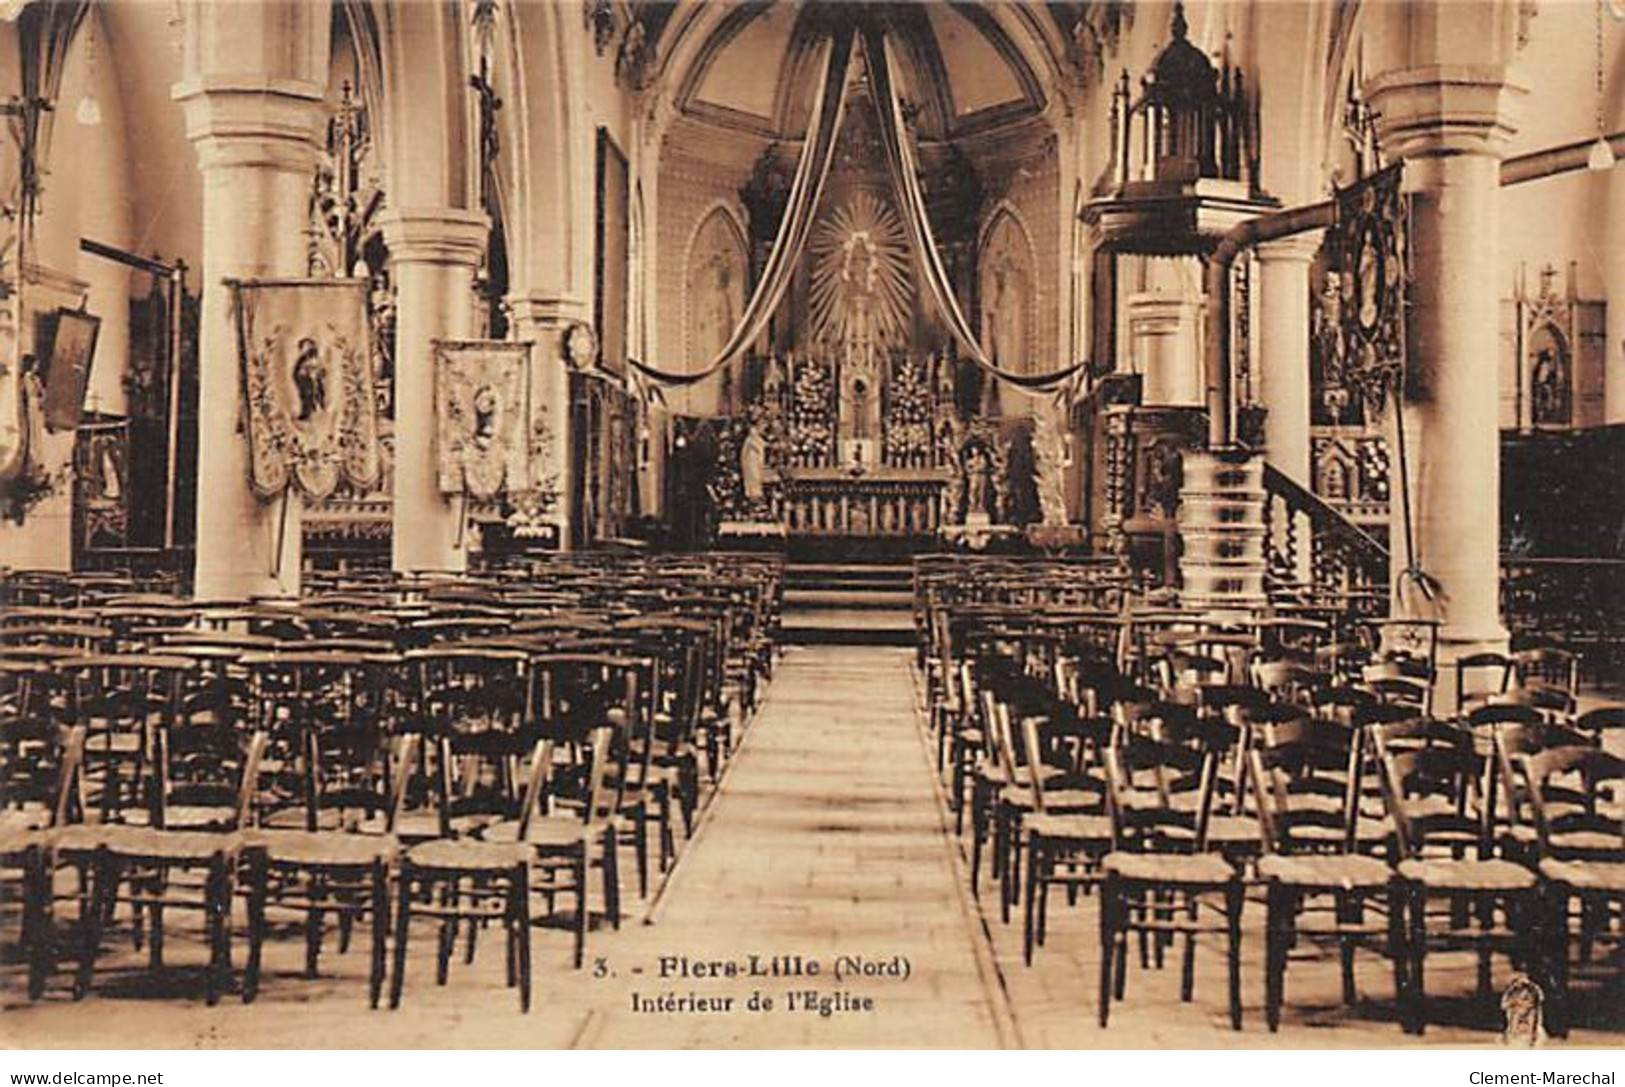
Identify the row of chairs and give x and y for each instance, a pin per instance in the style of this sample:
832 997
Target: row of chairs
458 750
1187 771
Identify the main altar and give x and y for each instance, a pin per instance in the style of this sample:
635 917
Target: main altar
854 415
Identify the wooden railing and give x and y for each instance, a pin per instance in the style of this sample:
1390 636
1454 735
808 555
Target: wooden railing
1345 560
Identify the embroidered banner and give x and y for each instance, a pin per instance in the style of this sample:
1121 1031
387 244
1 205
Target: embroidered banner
1369 245
307 384
481 405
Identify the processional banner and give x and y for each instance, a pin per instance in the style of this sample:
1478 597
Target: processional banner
482 413
307 384
1369 243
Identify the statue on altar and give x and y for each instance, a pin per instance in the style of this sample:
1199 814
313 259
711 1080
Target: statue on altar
978 474
753 465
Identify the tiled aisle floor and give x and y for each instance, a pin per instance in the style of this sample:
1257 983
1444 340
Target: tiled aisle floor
825 842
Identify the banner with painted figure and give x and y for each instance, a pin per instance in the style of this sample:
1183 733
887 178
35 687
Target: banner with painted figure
307 385
482 413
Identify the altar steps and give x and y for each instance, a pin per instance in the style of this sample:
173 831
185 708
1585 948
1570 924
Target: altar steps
833 603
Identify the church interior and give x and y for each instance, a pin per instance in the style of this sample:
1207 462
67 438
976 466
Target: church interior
1084 524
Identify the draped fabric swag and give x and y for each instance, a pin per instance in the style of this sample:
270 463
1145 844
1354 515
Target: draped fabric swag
817 154
906 178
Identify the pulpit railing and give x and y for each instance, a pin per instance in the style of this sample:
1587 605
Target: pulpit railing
1345 561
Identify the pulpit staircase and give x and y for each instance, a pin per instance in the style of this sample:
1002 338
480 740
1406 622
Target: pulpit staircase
848 603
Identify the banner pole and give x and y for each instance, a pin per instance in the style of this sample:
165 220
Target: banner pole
281 536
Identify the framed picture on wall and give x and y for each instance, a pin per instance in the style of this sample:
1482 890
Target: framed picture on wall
611 280
66 366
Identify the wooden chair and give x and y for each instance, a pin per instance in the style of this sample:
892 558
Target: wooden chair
1306 775
203 778
1582 859
1066 841
40 765
333 865
1159 875
1437 797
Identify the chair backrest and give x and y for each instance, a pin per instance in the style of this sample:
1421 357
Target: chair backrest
1514 740
1160 795
1582 828
1436 797
358 771
1306 778
1479 675
213 766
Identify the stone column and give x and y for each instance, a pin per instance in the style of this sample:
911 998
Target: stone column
433 254
1283 367
1614 277
1450 124
544 321
255 134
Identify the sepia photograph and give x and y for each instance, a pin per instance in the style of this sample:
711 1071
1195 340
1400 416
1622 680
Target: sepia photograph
813 525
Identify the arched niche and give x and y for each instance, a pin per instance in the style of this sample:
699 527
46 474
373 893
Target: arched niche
1550 366
1007 278
715 277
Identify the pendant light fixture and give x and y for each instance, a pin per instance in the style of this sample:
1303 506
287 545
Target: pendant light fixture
1601 158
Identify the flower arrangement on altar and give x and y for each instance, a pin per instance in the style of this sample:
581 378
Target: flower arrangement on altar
908 416
811 431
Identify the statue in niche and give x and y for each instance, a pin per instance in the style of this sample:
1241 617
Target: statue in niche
1549 387
1007 279
716 292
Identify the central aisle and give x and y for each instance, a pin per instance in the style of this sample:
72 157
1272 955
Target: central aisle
824 842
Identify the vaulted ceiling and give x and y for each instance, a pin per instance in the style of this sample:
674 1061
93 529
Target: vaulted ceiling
960 71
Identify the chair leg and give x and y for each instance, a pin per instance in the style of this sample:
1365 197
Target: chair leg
1399 953
104 884
1029 926
519 927
1275 923
37 934
1235 896
258 880
380 932
450 890
978 820
1416 946
1187 962
1350 910
640 849
403 917
1109 905
313 924
583 867
218 908
612 876
155 919
1555 942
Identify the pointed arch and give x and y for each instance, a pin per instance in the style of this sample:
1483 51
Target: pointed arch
1008 286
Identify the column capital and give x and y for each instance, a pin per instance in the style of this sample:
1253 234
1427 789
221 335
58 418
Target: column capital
1298 248
452 236
1444 109
548 310
254 121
